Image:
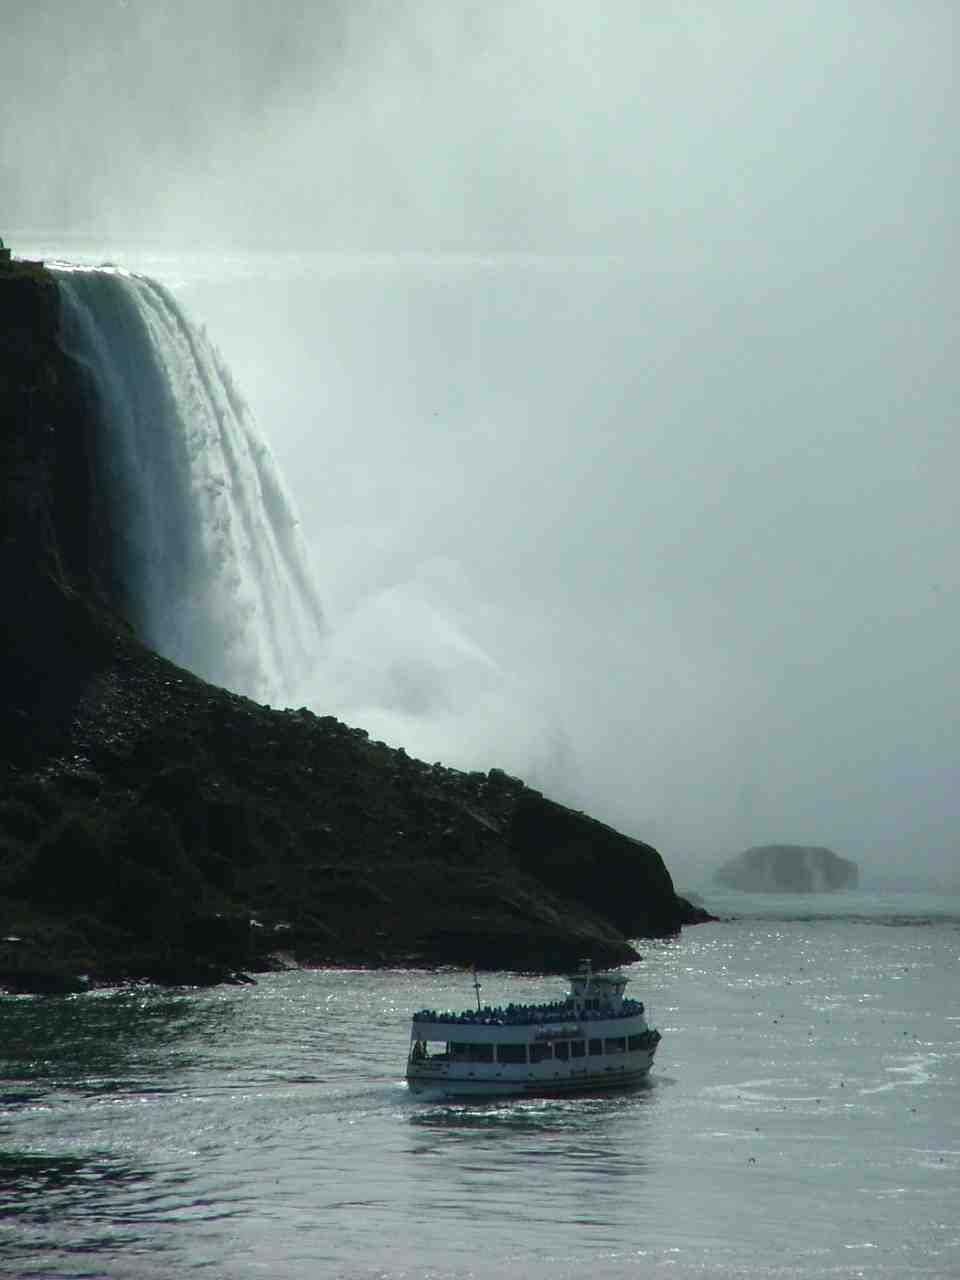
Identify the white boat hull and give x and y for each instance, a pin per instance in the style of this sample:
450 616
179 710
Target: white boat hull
462 1083
593 1040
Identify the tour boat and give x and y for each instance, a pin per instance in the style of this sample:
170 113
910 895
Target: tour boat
596 1038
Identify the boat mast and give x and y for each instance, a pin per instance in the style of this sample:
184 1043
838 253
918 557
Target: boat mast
476 986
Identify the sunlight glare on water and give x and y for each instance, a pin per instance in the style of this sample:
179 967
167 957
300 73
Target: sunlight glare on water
801 1120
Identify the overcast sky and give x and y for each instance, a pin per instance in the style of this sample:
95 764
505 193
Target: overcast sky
668 520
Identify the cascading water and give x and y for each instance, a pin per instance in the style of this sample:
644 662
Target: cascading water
214 570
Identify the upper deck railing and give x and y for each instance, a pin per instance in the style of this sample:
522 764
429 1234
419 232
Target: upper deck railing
521 1015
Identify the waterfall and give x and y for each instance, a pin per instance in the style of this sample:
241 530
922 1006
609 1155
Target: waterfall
214 570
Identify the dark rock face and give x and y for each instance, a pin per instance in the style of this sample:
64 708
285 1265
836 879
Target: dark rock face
788 868
623 880
152 825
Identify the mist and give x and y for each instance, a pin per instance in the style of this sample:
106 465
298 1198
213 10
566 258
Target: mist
611 358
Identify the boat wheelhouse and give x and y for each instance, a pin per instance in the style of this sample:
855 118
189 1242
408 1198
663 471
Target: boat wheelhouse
596 1038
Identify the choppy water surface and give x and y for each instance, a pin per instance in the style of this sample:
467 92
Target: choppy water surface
803 1120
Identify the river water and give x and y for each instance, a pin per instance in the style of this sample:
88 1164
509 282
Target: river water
802 1119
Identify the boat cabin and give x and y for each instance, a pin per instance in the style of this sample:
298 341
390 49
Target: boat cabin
594 1020
596 1037
598 992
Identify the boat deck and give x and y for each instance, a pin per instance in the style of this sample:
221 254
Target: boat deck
529 1015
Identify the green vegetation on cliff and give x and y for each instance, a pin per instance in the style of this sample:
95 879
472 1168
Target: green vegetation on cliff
152 825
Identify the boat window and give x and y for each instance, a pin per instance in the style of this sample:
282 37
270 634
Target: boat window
562 1050
578 1048
469 1051
596 1046
636 1042
616 1044
511 1053
541 1052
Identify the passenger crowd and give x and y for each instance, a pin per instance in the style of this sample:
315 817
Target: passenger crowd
518 1015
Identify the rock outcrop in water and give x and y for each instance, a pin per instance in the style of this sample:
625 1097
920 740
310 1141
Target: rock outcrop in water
153 825
788 868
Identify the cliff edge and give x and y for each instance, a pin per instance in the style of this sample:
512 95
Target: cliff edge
155 826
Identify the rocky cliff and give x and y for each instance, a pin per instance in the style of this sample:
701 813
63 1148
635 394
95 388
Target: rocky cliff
152 825
788 868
